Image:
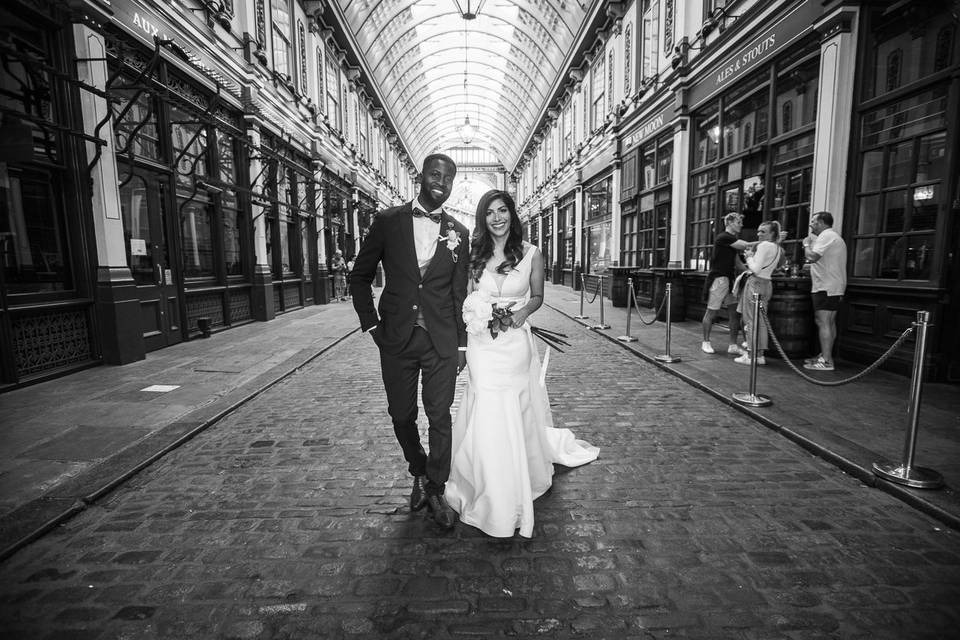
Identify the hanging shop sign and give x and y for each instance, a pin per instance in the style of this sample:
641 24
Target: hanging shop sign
793 25
650 127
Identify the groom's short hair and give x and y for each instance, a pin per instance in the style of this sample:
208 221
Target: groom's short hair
438 156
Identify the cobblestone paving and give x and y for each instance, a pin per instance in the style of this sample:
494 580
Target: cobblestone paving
288 520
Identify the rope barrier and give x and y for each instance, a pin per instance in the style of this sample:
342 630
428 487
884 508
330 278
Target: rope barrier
597 292
656 314
832 383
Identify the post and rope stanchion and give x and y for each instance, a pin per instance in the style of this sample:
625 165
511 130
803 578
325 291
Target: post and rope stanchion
602 324
751 398
666 357
582 288
905 473
627 337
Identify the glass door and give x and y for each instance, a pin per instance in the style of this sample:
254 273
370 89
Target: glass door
147 236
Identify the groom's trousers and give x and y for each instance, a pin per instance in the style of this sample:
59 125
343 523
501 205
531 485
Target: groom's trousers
401 373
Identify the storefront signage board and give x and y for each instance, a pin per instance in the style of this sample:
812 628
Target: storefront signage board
649 128
145 24
790 27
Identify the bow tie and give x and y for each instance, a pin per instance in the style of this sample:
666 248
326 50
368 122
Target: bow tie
419 213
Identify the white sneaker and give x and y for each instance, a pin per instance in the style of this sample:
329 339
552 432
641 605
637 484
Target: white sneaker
745 359
744 345
735 350
706 347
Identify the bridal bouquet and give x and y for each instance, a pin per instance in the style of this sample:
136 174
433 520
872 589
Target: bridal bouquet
481 313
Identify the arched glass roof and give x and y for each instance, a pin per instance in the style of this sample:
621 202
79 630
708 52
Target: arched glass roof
434 69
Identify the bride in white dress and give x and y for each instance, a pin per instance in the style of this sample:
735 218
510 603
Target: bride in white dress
504 441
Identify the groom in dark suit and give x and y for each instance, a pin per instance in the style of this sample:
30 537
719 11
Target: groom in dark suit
419 329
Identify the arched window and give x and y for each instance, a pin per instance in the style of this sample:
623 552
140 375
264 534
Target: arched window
894 67
786 117
943 53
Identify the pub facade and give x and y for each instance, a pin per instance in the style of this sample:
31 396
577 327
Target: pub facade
161 188
777 111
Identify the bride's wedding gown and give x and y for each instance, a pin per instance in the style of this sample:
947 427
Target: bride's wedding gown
504 441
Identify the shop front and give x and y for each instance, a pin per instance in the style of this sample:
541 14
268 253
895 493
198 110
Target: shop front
645 205
49 320
753 125
903 219
566 240
597 240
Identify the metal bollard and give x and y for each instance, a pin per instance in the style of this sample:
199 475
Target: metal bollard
666 357
751 398
906 473
630 299
602 324
582 287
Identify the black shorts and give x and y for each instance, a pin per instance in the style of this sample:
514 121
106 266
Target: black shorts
823 302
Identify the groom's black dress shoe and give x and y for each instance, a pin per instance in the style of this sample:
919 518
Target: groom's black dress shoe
418 497
443 514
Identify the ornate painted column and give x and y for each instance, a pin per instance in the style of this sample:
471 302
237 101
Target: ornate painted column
118 305
838 56
262 293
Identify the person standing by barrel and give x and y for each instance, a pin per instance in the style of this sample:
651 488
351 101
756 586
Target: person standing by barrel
826 253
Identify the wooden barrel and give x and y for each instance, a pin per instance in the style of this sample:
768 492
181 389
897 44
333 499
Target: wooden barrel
791 317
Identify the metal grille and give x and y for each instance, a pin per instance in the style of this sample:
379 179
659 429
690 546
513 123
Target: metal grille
208 305
291 296
276 299
239 306
50 340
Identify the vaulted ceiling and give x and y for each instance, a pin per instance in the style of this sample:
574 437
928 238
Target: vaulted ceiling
434 69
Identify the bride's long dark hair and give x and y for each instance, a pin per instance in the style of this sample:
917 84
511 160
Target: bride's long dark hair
481 245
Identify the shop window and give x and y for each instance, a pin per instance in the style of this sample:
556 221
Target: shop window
759 134
231 214
703 220
910 42
902 192
628 239
33 240
598 199
706 138
135 132
598 247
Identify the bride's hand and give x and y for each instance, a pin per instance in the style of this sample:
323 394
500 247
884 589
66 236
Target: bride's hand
518 318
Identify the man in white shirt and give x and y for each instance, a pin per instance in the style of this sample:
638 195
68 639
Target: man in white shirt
826 253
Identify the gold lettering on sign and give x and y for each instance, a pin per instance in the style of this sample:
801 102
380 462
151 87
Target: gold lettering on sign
747 58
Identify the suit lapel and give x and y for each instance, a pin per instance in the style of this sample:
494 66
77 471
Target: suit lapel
407 240
436 245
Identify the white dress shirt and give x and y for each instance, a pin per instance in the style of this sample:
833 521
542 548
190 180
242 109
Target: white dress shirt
426 233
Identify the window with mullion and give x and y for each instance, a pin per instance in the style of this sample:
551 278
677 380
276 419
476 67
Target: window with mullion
901 191
282 28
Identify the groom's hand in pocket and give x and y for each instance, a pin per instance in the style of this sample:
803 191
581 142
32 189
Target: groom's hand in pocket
461 361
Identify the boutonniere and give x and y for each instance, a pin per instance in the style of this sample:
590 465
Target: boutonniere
453 240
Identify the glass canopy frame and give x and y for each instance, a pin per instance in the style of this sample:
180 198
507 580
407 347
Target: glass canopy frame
434 69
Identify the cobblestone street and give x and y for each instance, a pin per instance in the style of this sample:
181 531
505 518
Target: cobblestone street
288 520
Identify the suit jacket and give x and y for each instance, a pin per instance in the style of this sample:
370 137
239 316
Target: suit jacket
438 293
